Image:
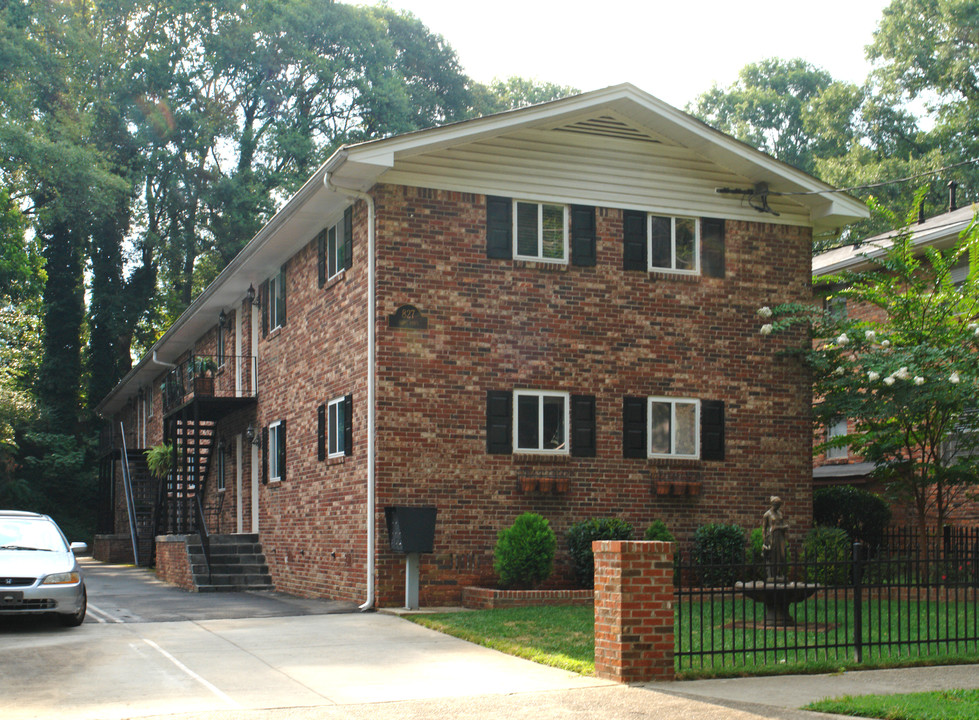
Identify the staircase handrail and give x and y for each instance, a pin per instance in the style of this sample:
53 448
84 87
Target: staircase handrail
203 532
130 500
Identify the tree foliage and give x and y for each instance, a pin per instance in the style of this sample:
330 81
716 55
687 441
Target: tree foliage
906 378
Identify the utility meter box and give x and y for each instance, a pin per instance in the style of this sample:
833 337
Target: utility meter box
411 529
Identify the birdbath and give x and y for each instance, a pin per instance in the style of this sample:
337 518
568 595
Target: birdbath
776 593
777 596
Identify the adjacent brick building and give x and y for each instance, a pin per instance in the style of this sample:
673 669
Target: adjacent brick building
548 310
841 466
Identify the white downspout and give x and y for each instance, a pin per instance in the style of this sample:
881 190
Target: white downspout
162 362
371 311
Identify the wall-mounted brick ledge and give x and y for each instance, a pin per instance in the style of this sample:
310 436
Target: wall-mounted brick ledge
483 598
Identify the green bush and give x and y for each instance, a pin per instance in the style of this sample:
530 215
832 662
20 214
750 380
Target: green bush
657 530
524 554
580 537
862 514
830 549
718 549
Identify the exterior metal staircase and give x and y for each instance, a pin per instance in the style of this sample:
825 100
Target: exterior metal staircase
237 563
145 490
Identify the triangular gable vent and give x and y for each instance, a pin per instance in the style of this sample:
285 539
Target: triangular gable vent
608 126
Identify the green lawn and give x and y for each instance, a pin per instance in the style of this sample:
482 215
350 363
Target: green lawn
563 636
944 705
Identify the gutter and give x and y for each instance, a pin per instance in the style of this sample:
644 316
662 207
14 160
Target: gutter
162 362
371 349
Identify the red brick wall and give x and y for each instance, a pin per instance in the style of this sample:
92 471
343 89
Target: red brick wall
504 324
173 562
634 611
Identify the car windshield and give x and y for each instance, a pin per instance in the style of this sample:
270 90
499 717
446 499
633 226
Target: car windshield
30 534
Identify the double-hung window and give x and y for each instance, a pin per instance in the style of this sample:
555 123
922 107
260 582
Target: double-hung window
277 451
837 428
540 422
674 428
674 244
335 250
336 422
540 231
277 300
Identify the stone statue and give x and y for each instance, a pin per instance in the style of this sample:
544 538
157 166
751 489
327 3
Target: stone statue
774 528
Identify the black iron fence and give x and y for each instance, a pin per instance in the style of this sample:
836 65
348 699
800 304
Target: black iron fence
905 598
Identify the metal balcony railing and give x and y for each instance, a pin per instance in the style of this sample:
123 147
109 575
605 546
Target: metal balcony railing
202 377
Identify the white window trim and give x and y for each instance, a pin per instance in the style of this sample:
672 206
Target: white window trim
273 452
539 450
696 244
274 283
673 401
332 408
833 431
540 233
332 258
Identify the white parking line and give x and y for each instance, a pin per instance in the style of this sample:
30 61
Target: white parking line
101 615
192 674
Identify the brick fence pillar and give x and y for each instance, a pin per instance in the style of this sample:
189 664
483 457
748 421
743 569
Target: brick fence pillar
633 610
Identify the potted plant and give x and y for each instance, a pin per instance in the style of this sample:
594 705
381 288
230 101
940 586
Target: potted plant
161 459
204 368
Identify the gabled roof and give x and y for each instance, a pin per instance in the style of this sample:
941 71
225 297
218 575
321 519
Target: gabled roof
612 137
940 231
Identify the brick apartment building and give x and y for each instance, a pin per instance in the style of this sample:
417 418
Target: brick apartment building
550 309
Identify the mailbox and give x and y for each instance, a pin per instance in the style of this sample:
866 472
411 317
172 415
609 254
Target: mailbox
411 529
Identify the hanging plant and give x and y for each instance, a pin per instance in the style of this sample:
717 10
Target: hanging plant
161 459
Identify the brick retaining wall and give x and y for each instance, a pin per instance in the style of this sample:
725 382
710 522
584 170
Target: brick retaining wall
173 562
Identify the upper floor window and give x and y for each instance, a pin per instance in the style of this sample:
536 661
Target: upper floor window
674 427
335 248
540 231
674 243
277 299
540 422
836 429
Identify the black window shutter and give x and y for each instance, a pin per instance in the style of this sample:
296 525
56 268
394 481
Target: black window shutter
263 300
634 427
321 257
499 227
583 236
634 240
282 450
348 238
712 246
499 419
583 425
282 296
321 432
712 430
348 425
265 455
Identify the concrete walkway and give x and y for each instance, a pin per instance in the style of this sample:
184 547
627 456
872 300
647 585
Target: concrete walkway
269 657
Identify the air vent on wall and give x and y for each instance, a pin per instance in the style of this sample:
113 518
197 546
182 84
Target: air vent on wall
607 126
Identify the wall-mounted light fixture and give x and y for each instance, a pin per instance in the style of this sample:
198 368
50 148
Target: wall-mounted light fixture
223 318
251 295
252 437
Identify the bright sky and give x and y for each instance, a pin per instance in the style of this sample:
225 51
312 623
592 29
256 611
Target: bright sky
674 50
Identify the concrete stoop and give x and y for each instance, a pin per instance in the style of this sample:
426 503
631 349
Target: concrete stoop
237 564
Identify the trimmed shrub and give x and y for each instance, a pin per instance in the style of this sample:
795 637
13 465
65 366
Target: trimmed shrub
580 537
718 549
657 530
830 549
862 514
524 554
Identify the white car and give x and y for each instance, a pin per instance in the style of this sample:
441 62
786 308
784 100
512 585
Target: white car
38 569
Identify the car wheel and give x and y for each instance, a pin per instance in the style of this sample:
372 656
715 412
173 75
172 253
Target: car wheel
76 619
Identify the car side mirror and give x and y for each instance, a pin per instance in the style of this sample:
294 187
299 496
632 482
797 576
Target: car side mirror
79 548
